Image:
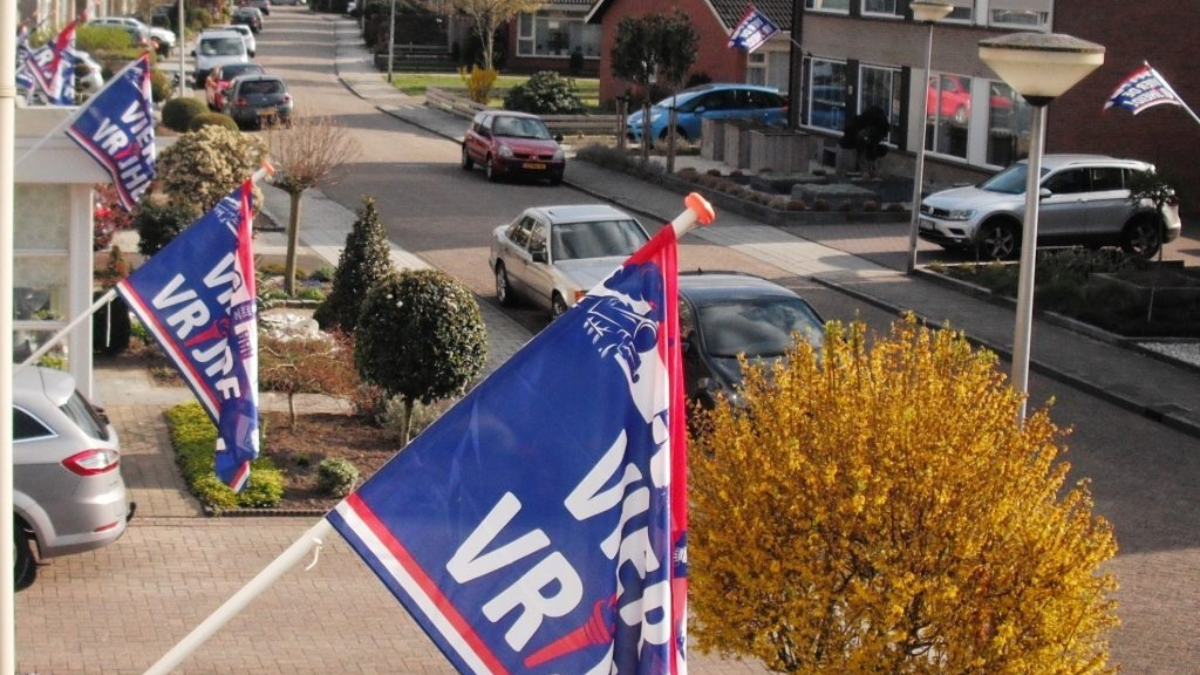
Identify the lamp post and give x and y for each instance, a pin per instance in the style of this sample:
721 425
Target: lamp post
1040 67
391 40
927 13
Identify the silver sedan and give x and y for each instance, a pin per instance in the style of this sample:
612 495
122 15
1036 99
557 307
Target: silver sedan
552 255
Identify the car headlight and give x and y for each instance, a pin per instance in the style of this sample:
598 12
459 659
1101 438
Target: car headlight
559 155
505 152
960 214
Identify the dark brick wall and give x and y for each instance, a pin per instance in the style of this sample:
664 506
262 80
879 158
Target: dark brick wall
714 59
1162 32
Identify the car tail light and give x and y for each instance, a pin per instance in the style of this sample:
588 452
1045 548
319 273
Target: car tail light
92 462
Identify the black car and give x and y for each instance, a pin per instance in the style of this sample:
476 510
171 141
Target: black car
723 314
248 16
258 100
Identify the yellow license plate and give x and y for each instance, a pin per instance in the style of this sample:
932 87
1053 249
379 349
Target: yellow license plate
533 166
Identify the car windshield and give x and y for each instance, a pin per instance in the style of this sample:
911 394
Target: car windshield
758 328
1010 181
597 239
521 127
222 47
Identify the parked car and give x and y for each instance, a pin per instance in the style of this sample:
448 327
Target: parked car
248 16
219 79
710 101
953 100
553 255
1084 200
508 143
723 314
258 98
246 33
263 6
89 75
68 492
162 39
217 48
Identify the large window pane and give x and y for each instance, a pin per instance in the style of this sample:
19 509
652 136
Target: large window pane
1009 120
881 89
827 94
879 7
557 34
948 124
828 5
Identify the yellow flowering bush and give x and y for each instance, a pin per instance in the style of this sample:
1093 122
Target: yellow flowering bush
877 508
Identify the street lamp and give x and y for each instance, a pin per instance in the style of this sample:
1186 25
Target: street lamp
927 13
1040 67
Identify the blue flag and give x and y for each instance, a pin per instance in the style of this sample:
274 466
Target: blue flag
116 127
197 296
752 31
539 526
52 67
1144 88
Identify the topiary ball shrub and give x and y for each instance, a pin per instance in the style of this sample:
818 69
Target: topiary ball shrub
870 205
797 205
545 93
212 118
336 477
178 113
820 205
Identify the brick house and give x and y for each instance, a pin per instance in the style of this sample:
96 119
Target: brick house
861 53
713 21
546 39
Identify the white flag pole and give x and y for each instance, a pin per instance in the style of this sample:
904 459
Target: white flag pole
1174 93
199 635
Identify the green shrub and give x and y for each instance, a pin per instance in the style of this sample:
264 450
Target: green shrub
215 118
336 477
364 262
323 274
178 113
158 223
311 293
96 38
202 167
194 438
160 86
545 93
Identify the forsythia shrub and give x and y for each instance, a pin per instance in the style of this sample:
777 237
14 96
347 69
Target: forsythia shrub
194 438
878 509
479 82
205 165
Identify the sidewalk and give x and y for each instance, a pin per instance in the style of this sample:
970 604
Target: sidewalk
1160 390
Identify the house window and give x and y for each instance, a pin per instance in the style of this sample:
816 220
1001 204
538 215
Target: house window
949 122
756 68
41 265
553 33
839 6
1009 122
826 94
1028 14
963 12
880 88
883 7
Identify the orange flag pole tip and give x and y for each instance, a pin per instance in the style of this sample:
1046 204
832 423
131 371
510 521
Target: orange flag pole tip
699 211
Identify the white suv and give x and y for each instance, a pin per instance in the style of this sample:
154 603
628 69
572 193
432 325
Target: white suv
217 48
1084 199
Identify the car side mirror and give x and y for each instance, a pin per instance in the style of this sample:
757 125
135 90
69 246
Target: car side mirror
539 255
1045 192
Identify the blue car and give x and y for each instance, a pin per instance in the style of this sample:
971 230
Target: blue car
710 101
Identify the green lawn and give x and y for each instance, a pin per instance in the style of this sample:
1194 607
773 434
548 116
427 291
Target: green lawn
414 84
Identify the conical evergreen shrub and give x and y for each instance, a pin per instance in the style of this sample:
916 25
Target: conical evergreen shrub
363 263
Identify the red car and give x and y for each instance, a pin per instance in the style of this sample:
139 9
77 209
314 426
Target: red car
953 101
219 79
508 143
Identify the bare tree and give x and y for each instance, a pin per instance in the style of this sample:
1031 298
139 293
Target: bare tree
489 15
305 155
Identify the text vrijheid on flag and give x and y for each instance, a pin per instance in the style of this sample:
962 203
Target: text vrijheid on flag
116 127
197 297
752 31
540 525
1144 88
50 68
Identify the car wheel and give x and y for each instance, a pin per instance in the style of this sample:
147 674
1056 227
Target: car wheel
1142 237
558 306
997 241
490 168
24 564
466 159
503 291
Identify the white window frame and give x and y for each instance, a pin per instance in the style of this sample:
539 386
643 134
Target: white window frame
817 6
893 14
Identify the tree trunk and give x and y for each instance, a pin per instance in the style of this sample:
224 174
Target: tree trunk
293 239
406 422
